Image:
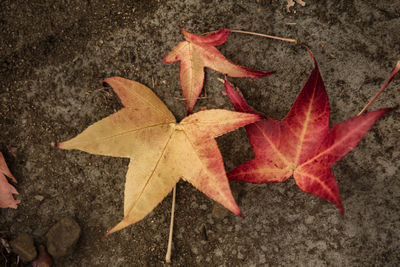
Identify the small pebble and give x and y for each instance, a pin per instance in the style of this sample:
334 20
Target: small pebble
24 247
39 197
62 237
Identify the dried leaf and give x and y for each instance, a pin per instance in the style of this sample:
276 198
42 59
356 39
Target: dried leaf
198 52
301 145
6 190
161 150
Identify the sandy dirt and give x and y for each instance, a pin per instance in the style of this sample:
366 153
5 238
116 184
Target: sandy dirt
54 56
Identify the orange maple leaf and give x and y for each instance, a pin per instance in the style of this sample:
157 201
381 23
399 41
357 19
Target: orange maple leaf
198 52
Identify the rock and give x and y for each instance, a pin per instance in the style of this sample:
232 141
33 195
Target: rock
62 237
24 247
39 197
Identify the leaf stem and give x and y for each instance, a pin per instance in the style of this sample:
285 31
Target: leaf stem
395 71
267 36
171 227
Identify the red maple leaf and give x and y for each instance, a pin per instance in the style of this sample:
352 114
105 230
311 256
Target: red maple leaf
198 52
301 145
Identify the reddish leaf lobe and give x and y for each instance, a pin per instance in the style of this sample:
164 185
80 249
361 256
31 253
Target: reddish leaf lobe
301 145
215 38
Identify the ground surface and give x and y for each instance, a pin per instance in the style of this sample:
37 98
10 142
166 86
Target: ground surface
54 55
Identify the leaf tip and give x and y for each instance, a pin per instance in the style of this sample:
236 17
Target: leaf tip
113 230
341 209
339 205
253 73
107 234
107 81
60 145
386 110
236 210
310 53
239 213
264 74
383 111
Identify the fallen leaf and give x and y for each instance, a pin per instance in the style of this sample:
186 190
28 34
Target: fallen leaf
6 190
161 150
301 145
198 52
44 259
291 3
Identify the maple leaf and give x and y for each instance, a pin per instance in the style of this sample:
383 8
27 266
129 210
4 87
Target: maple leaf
198 52
6 190
161 150
301 145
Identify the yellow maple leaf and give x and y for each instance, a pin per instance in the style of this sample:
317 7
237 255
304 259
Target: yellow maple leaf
161 150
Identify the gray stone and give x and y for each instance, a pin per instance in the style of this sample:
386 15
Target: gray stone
62 237
24 247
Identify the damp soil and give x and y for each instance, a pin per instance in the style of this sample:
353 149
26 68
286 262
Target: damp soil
53 58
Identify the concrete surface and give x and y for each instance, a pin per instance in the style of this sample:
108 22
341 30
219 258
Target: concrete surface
54 55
